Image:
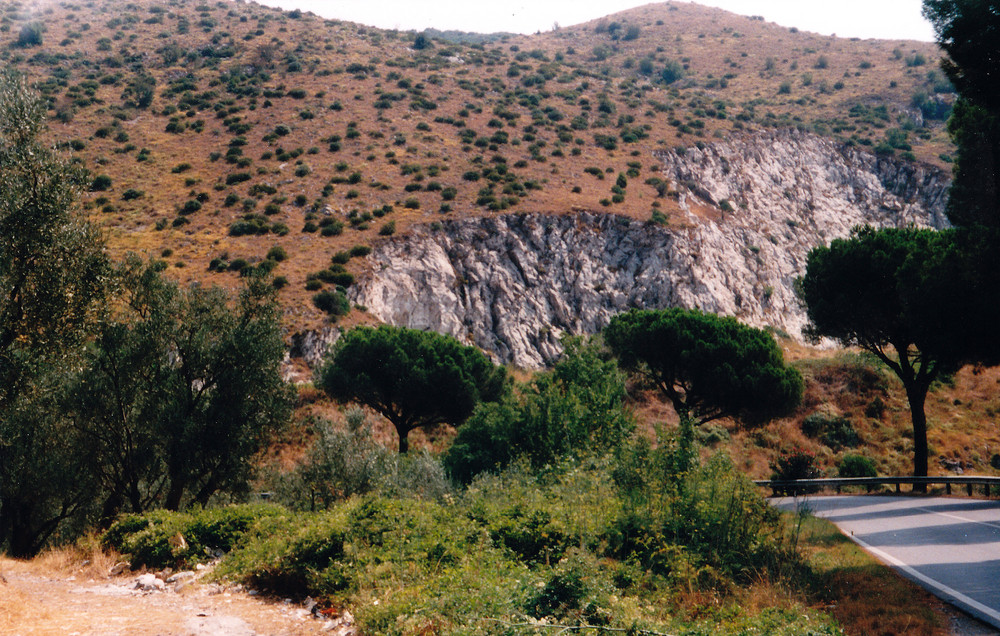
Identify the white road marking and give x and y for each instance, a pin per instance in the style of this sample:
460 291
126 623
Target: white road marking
960 518
989 614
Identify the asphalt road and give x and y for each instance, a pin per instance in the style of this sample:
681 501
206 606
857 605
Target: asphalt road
950 546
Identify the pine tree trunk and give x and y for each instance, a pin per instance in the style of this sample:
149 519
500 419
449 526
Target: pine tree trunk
916 396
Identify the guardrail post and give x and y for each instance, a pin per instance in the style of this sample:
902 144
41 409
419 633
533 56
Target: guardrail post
968 487
947 488
897 488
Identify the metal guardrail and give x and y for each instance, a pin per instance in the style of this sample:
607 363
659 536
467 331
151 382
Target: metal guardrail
799 485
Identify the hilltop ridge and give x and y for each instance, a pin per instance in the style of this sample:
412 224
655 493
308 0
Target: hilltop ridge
218 133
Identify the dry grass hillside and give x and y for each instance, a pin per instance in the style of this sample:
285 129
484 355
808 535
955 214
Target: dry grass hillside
217 133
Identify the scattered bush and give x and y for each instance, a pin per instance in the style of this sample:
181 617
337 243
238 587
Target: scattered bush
796 463
836 431
100 183
30 34
277 254
856 466
334 303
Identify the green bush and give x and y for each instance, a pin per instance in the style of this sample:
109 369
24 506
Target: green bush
341 257
856 466
334 303
346 461
295 556
277 254
100 183
153 539
690 526
31 34
578 408
836 431
796 463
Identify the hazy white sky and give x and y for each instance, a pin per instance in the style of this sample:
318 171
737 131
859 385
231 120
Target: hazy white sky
887 19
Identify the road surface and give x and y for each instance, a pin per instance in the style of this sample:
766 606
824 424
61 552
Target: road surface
950 546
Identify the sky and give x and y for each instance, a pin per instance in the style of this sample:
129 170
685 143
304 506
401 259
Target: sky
885 19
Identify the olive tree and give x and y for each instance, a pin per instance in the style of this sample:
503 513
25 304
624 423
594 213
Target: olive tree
54 278
413 378
181 390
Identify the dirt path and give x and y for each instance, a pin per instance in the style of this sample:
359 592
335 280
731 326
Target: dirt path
40 600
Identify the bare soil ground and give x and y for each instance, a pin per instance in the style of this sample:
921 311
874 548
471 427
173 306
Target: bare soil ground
38 599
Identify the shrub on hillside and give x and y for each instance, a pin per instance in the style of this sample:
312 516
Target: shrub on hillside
836 431
793 464
334 303
31 34
856 466
100 183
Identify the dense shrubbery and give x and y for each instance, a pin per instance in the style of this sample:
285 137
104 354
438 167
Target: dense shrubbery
589 542
578 408
154 539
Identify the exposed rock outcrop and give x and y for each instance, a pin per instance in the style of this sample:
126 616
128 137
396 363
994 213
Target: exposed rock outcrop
513 284
311 346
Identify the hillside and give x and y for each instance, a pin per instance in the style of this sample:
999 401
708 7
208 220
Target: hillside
215 132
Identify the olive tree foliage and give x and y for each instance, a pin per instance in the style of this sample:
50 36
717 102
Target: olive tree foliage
413 378
708 366
921 301
967 31
54 279
181 391
577 408
346 460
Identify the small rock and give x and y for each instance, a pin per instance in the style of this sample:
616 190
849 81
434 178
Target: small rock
181 577
343 625
150 583
119 568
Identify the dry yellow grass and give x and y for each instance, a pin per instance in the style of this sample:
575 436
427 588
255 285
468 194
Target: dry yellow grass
866 598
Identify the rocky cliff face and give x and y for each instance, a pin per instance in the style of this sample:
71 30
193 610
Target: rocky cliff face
513 284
